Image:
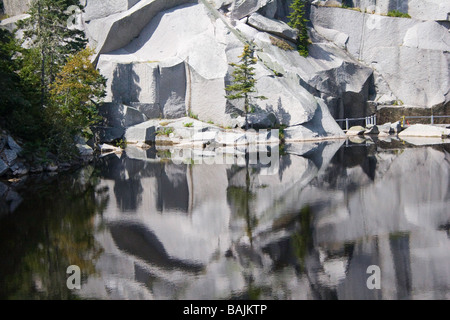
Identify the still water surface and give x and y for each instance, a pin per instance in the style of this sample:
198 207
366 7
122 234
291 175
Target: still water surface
307 227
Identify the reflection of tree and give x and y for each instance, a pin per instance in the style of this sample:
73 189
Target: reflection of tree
239 199
302 240
52 230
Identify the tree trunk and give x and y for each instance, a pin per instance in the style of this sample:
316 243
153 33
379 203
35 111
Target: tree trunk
246 112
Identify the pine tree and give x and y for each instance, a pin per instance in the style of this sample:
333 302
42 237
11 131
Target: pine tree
297 20
11 93
47 31
243 80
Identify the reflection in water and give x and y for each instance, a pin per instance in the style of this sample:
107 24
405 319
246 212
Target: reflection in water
51 230
308 230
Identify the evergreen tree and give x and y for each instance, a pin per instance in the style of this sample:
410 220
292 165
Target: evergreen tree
243 80
298 20
11 90
47 31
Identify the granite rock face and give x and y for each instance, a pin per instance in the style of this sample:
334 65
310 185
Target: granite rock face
179 63
167 59
389 46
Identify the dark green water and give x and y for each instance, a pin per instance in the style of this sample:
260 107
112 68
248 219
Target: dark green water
305 227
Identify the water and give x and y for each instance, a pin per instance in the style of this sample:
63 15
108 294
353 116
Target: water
307 226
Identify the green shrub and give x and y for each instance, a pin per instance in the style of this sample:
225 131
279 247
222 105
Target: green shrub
192 115
398 14
189 124
164 131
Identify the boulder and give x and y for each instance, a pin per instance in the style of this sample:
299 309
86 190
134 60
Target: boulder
10 156
144 132
19 169
106 148
331 3
13 145
261 120
51 167
372 129
322 126
396 127
84 150
385 128
355 131
272 26
108 134
242 8
3 167
120 115
422 130
150 110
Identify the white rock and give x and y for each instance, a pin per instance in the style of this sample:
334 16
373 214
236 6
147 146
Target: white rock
385 128
422 130
322 126
109 148
144 132
96 9
355 131
273 26
242 8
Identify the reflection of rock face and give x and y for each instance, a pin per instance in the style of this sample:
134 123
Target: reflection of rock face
310 231
136 240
